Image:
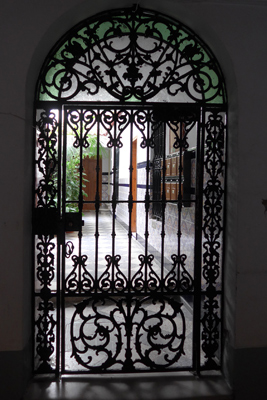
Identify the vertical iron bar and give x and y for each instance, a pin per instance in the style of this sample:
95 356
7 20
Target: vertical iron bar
198 241
179 201
163 204
224 224
128 353
130 202
114 199
63 268
82 111
60 240
147 200
97 208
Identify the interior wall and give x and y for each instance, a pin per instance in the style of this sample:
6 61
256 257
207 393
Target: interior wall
236 32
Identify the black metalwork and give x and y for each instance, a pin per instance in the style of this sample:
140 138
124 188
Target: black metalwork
131 54
46 161
101 343
212 229
45 336
125 74
158 136
45 223
45 322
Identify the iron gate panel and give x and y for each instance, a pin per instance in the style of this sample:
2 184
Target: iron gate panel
107 308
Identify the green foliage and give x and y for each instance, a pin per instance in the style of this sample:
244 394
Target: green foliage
91 151
73 178
73 170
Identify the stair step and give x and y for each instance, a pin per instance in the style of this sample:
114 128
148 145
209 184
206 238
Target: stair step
134 387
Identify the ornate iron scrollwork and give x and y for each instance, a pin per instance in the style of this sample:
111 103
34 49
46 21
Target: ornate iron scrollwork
45 261
45 336
101 326
132 55
85 119
112 280
79 280
45 322
178 278
160 331
45 225
212 230
46 162
141 118
146 279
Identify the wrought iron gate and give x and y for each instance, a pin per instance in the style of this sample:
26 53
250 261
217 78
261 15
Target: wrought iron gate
120 318
108 300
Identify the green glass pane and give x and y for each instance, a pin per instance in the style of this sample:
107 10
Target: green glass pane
97 57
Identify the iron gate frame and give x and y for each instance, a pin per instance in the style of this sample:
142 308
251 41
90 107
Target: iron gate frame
43 224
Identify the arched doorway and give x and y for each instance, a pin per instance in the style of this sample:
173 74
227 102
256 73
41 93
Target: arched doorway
144 98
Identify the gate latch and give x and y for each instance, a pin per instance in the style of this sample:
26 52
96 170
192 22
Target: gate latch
73 222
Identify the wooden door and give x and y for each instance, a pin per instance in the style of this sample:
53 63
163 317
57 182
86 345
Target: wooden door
134 184
90 169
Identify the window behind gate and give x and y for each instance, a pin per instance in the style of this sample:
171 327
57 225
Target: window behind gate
130 119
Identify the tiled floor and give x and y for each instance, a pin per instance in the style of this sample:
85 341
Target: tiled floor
121 245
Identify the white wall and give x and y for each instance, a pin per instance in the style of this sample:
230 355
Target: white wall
236 31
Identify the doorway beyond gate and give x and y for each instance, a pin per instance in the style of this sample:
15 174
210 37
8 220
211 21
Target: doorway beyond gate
108 300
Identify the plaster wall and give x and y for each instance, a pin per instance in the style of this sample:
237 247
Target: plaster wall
236 32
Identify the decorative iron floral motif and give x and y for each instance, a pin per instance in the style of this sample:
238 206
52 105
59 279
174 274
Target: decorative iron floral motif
45 335
81 123
213 197
112 280
45 322
141 120
178 278
132 54
45 260
108 119
79 280
146 279
211 323
46 199
212 230
181 129
101 326
46 161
